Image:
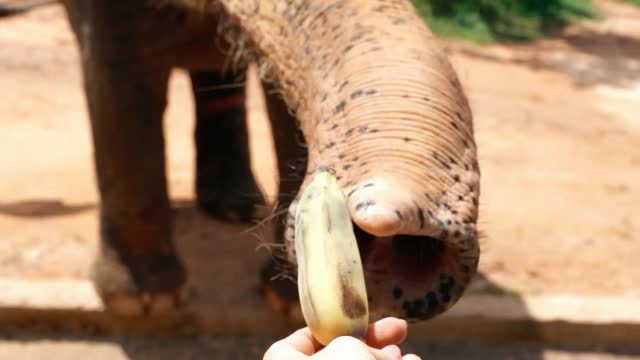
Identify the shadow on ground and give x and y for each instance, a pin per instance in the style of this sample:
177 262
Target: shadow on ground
42 208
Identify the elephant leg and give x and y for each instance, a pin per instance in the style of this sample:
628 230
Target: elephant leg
137 270
281 291
225 185
137 257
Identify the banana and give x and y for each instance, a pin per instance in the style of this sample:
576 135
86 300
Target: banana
331 285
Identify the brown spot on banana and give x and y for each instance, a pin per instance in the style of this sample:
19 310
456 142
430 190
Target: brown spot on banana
352 303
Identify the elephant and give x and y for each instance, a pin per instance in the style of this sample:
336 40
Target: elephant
365 83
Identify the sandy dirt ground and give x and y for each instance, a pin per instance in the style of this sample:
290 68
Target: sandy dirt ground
558 129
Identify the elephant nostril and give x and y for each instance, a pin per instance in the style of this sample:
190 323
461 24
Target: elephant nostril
417 256
365 240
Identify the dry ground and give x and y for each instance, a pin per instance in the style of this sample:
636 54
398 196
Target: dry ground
557 124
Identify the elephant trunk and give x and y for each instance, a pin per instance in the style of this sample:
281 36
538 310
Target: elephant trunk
378 101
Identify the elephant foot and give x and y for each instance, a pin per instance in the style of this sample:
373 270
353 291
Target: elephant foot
121 296
280 293
236 200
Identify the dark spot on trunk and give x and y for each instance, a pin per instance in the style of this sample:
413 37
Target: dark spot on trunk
445 288
430 198
418 305
370 92
340 107
346 167
356 94
432 302
420 216
406 306
365 204
399 214
397 293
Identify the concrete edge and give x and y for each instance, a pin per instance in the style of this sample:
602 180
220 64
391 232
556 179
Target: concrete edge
551 319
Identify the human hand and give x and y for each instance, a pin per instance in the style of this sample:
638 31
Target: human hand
381 344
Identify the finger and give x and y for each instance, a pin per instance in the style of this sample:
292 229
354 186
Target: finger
302 341
411 357
393 351
282 350
388 331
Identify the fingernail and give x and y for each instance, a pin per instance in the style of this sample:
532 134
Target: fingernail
393 351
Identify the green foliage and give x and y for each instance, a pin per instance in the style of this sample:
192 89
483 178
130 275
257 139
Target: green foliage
635 2
490 20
